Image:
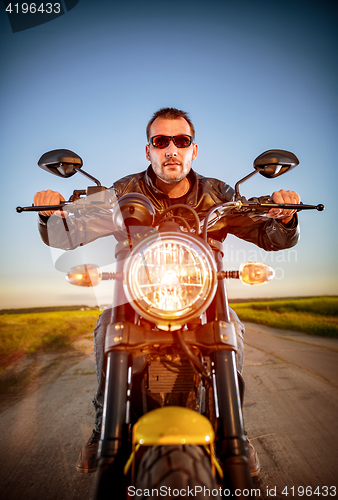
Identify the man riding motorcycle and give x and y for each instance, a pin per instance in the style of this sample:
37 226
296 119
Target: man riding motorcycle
168 180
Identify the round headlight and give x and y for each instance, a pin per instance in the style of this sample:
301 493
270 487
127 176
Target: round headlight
170 279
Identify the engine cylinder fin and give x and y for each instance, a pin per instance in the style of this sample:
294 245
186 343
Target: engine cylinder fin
170 377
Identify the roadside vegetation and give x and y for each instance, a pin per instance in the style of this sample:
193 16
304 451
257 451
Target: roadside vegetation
33 332
24 335
315 315
37 331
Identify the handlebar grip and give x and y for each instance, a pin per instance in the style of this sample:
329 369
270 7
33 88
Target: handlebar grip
41 208
285 206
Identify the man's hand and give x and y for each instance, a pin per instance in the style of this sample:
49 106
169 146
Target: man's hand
50 198
283 196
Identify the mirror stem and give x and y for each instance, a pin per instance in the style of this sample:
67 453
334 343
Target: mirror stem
98 183
237 193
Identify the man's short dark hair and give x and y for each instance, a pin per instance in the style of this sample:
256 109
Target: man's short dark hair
170 114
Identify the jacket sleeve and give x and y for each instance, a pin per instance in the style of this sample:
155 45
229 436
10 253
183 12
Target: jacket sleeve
266 233
72 232
269 234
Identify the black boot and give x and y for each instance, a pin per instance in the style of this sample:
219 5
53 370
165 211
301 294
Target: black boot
87 461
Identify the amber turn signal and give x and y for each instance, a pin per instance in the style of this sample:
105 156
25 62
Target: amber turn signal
255 273
86 275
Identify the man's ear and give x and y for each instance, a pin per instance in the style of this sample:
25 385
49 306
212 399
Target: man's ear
147 152
194 152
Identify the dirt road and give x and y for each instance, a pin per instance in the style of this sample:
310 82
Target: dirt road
291 409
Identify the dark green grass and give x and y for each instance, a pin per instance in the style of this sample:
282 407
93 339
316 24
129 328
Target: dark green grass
315 315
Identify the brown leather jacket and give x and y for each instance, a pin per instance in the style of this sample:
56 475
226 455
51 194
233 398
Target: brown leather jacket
205 193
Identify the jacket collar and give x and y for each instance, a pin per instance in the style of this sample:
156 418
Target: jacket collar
150 180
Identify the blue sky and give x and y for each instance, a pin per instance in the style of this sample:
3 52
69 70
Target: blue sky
253 76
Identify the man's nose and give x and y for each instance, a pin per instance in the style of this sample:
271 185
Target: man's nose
171 150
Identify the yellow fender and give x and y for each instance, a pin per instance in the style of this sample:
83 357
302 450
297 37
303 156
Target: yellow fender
171 425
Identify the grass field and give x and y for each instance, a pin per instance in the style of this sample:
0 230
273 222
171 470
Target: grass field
32 332
316 316
36 331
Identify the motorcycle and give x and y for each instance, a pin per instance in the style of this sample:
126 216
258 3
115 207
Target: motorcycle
172 417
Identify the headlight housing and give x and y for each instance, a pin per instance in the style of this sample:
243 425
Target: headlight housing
170 279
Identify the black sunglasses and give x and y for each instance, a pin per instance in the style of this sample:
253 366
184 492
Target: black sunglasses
163 141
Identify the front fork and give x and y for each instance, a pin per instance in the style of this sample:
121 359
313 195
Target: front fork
231 442
114 446
114 419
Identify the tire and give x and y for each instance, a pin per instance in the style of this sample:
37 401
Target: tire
178 467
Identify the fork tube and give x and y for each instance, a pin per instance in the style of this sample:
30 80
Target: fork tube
115 402
221 298
113 444
112 448
115 396
221 303
231 439
232 446
122 311
228 394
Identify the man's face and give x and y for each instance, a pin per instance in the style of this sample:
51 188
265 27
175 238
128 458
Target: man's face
171 164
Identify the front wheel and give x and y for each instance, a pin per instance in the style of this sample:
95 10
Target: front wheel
176 471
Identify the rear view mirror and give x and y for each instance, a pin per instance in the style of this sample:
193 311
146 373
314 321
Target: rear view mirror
275 162
271 164
61 162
